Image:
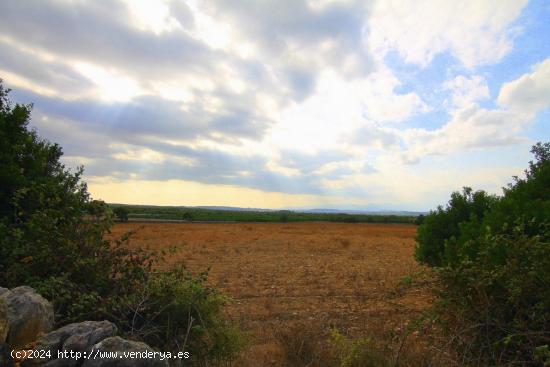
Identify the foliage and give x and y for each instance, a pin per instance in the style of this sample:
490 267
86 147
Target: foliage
493 260
501 297
52 237
121 213
214 215
419 219
444 227
361 352
176 311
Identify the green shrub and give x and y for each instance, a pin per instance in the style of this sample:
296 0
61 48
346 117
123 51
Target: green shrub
177 311
361 352
419 219
52 237
458 221
526 199
499 300
493 258
121 213
187 216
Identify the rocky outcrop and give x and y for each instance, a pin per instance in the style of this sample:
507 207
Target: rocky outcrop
119 345
28 315
77 337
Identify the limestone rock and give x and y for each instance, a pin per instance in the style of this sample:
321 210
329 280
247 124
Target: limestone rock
76 337
29 315
4 325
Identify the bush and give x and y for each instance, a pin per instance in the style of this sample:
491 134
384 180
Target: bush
361 352
493 259
52 237
419 219
443 228
121 213
498 302
176 311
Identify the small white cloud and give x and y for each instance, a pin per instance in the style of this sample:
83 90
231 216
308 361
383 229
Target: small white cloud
467 90
381 103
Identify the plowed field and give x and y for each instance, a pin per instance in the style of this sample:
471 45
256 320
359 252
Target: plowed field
356 277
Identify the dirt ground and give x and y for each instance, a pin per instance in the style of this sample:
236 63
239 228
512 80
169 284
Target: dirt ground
359 278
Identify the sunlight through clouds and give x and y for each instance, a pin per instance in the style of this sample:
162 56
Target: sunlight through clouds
283 103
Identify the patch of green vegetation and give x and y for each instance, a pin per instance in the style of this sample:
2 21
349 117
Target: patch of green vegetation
492 255
359 352
52 238
407 281
145 212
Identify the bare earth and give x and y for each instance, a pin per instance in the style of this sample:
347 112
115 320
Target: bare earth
349 276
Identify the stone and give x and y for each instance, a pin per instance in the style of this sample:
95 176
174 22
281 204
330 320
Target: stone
119 345
29 315
3 290
76 337
4 324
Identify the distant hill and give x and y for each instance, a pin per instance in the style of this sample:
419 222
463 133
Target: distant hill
231 208
371 212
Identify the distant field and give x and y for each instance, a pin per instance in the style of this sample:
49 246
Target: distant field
145 212
360 278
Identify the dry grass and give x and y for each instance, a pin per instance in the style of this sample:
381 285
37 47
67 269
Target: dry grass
319 274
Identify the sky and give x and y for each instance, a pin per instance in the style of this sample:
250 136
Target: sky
389 104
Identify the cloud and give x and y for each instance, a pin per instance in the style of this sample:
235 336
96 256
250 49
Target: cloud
382 103
467 90
296 35
475 127
471 127
292 96
101 33
154 116
475 32
53 76
375 136
529 93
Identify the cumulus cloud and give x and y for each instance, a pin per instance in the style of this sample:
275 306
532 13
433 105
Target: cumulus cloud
476 127
529 93
471 127
382 104
467 90
476 32
294 96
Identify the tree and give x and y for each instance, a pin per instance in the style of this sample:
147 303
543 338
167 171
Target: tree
492 256
440 229
52 237
51 231
121 213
